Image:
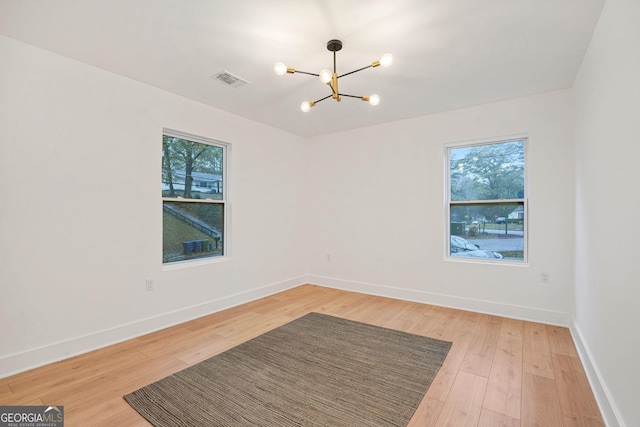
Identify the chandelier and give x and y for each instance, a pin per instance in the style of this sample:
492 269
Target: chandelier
331 78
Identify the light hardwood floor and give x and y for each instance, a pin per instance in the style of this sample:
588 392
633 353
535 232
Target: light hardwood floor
499 372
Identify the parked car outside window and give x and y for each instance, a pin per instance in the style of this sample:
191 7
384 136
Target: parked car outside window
464 248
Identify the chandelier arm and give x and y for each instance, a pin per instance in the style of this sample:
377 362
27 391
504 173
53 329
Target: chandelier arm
322 99
355 71
309 74
350 96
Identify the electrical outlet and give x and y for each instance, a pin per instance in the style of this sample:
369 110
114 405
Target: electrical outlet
150 285
544 277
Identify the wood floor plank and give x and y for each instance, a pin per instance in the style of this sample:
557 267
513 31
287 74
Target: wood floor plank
95 410
16 400
237 324
377 312
346 302
186 344
80 371
469 322
560 341
321 303
396 318
536 352
512 329
582 421
427 413
540 403
122 418
130 378
464 402
576 399
408 314
76 368
160 338
134 378
448 372
493 419
446 324
204 352
433 310
207 321
504 389
476 384
419 319
5 390
422 326
479 357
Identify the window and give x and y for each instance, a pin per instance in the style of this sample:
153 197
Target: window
486 205
193 197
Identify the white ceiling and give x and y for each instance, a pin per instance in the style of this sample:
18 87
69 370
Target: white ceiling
447 53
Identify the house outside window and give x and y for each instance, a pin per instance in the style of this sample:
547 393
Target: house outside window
194 197
486 204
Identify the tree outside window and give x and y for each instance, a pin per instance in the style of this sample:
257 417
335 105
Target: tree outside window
193 197
487 205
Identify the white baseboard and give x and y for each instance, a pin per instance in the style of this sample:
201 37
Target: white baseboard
481 306
33 358
608 409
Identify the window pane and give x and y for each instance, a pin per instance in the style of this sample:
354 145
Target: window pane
192 230
487 172
488 231
191 170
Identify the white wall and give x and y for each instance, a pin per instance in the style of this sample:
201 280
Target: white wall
80 223
377 206
606 127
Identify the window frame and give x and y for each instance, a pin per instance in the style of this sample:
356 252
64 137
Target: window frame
224 201
450 203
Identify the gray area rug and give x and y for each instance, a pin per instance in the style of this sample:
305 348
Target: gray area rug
318 370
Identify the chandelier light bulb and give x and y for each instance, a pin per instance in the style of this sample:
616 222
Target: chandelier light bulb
374 99
305 106
280 68
386 60
325 76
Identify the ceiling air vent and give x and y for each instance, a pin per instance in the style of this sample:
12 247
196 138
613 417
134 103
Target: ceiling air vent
230 79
